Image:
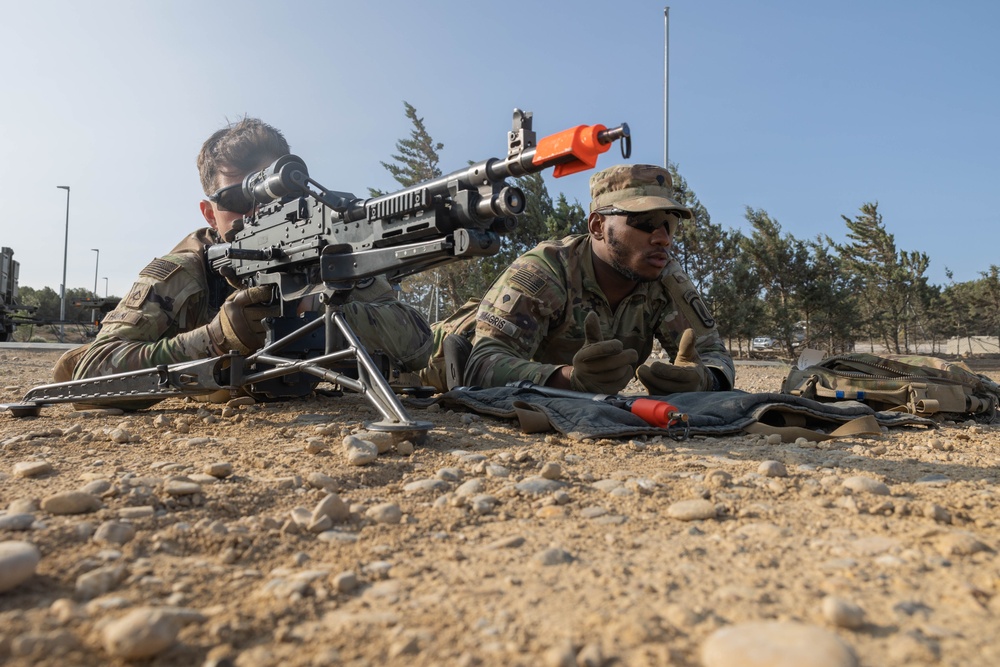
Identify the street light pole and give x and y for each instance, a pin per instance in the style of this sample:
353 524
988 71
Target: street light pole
97 263
105 287
62 295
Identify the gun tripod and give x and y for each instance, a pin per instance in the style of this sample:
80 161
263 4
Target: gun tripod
278 370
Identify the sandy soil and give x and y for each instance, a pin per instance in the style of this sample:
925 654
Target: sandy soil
208 537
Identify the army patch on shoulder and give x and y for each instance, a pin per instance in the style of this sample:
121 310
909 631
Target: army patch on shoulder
137 296
127 316
160 269
500 324
528 282
698 306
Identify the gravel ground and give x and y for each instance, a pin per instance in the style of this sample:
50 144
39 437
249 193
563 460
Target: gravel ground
193 534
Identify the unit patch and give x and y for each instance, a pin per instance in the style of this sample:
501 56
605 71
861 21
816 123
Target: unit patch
137 296
529 283
160 269
698 306
499 323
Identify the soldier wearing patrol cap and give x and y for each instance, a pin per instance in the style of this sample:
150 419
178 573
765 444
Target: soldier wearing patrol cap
180 310
582 312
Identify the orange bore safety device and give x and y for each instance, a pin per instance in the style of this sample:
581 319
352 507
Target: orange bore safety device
577 148
652 411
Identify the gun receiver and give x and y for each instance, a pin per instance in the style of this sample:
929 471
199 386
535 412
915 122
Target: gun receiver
311 235
307 240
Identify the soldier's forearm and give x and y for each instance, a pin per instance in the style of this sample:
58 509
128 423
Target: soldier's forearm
116 355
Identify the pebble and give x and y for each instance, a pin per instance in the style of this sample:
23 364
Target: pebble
691 510
449 474
137 512
483 504
18 561
120 435
426 486
551 470
774 439
842 613
114 533
331 506
538 485
388 513
772 469
936 512
510 542
145 632
96 487
862 484
318 480
493 470
776 644
315 445
345 582
181 487
404 448
934 479
471 487
553 556
71 502
383 440
359 452
32 468
23 505
959 543
607 485
219 469
18 521
98 582
718 479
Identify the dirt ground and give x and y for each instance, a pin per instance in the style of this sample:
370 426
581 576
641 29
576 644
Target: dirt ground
208 535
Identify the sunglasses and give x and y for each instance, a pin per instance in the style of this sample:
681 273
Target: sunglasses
232 199
647 222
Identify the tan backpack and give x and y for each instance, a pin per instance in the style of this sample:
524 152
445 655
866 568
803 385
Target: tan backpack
916 384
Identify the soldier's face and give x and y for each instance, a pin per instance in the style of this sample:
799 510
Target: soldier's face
637 252
218 217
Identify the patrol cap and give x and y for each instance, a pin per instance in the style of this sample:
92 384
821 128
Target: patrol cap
635 188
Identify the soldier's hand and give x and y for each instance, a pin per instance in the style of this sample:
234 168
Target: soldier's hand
239 325
601 366
687 373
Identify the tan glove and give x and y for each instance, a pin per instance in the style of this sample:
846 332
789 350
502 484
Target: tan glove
239 325
687 373
601 366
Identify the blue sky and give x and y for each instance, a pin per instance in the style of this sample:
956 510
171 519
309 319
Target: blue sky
806 110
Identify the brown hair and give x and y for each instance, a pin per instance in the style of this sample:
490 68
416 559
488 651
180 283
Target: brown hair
238 147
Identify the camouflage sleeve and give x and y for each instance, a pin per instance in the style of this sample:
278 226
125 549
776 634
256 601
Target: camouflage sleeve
383 322
157 322
513 319
690 312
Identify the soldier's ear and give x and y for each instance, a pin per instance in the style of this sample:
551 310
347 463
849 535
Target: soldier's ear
595 225
208 211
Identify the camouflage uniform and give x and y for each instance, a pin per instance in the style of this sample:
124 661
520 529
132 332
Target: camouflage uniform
162 319
531 320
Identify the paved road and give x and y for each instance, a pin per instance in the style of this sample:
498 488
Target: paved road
38 346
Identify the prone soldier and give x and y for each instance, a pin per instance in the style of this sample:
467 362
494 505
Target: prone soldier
582 312
180 310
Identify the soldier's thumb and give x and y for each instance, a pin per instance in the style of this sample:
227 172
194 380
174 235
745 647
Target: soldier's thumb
592 329
686 352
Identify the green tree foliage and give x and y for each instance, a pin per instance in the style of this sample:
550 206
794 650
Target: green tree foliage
782 263
889 283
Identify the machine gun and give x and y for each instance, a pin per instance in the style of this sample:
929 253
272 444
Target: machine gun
308 241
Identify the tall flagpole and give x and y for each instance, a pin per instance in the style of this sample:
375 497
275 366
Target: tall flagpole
666 87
